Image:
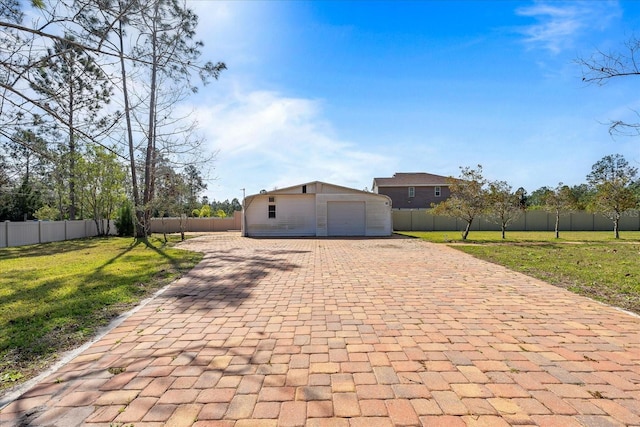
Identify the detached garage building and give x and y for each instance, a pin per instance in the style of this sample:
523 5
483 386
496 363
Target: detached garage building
317 209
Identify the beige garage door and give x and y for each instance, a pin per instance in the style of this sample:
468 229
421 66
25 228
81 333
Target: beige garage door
346 218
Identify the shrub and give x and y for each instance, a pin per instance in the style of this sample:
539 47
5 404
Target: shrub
124 222
47 213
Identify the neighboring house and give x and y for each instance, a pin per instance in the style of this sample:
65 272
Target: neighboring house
413 190
317 209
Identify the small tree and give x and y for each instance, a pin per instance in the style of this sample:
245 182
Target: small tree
101 185
612 177
503 206
523 198
581 196
558 201
76 89
468 197
204 211
124 221
46 213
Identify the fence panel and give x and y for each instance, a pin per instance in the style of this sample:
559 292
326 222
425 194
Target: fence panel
484 223
629 222
423 220
537 221
581 221
198 225
601 222
227 224
164 225
23 233
402 220
519 223
3 234
34 232
75 230
51 231
444 223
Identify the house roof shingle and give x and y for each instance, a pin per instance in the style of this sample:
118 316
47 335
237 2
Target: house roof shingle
413 179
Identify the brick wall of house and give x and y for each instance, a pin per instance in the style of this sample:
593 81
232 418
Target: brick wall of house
424 196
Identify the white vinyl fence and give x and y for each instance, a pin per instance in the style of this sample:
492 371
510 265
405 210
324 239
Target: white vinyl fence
422 220
34 232
173 225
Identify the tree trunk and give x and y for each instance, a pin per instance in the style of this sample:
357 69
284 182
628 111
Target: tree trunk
139 215
183 226
557 228
465 233
148 165
503 229
616 228
72 149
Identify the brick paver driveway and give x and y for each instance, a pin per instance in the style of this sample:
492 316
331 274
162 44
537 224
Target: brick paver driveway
354 332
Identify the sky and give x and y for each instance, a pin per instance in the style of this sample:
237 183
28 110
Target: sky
345 91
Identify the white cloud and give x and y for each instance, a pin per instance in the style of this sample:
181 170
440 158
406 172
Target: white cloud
559 24
267 140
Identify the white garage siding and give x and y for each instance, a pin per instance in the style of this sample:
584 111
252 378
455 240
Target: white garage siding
295 216
346 218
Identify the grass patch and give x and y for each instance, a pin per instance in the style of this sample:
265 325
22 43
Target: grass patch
593 264
54 296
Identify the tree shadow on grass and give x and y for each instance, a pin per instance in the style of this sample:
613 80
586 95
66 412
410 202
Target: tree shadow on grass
51 248
151 246
62 318
49 286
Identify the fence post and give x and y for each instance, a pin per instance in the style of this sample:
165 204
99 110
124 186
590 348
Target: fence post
548 217
570 221
6 233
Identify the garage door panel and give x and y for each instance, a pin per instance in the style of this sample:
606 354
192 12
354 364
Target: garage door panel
346 218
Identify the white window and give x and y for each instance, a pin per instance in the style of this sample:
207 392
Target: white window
437 191
412 191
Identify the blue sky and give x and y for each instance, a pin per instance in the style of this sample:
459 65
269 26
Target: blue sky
343 92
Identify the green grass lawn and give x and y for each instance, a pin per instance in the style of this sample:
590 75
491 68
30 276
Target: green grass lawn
593 264
54 296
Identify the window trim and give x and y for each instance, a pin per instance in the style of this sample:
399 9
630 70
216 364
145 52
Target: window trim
271 212
412 192
437 191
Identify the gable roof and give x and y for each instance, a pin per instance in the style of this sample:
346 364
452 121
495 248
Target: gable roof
320 187
411 179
